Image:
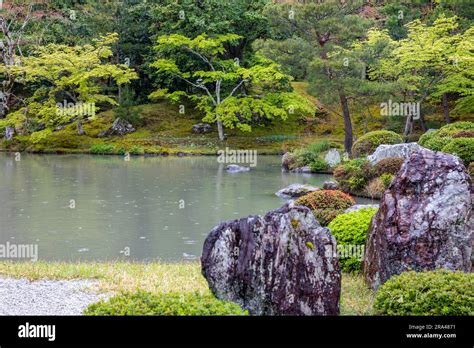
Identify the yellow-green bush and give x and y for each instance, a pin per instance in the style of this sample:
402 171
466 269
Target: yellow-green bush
142 303
351 229
369 142
427 293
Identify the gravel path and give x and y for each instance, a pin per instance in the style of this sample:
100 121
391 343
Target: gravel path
46 297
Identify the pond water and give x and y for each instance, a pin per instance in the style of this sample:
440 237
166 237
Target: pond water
81 207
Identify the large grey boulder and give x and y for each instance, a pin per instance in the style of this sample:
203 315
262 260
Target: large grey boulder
9 132
396 150
281 264
332 158
424 221
296 190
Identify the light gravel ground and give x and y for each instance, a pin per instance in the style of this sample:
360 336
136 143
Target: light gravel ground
46 297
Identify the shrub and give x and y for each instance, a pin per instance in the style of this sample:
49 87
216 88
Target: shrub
350 229
390 165
470 170
386 179
441 138
318 165
326 204
102 149
353 175
136 150
145 303
461 147
308 155
427 293
375 188
369 142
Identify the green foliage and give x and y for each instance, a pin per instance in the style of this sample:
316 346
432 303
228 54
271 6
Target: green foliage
318 165
447 139
78 74
386 179
427 293
470 170
136 150
351 229
326 204
369 142
310 156
102 149
461 147
389 165
143 303
228 93
354 175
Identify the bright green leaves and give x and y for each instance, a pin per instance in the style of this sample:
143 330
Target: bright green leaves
228 93
77 73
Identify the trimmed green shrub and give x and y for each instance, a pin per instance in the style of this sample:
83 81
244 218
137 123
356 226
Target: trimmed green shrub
145 303
461 147
350 229
390 165
136 150
308 155
369 142
326 204
354 175
438 292
441 139
102 149
318 165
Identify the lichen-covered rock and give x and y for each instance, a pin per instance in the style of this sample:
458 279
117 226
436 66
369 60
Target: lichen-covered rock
424 220
361 206
288 160
202 128
296 190
396 150
119 127
332 158
330 185
281 264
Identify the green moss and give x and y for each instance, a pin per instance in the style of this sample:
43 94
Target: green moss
295 223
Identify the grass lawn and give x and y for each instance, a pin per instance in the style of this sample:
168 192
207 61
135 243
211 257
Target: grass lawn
157 277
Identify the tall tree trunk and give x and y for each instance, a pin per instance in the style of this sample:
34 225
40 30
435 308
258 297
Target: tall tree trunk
446 108
347 123
408 126
423 123
220 130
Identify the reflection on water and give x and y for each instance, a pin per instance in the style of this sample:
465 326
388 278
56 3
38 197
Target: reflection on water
79 207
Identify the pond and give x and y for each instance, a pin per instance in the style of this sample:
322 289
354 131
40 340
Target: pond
82 207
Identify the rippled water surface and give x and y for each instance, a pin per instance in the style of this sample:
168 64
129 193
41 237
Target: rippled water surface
80 207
